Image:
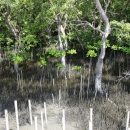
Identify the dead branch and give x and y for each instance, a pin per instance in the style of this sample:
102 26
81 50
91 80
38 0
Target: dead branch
125 75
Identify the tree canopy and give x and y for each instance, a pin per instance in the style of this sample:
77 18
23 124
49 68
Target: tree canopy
36 23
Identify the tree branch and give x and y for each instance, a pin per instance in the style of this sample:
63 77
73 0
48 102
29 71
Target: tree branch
10 25
125 75
106 4
104 17
7 12
91 25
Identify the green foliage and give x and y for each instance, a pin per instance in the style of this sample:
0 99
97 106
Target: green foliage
83 39
56 53
120 10
76 68
17 59
121 36
71 35
91 53
114 47
36 20
29 41
42 62
1 37
126 49
9 41
59 65
72 51
107 44
38 54
95 46
19 56
6 2
5 34
121 30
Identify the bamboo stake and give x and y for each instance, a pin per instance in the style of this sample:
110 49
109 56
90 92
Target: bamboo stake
57 73
35 120
89 71
45 113
42 120
16 113
53 98
127 121
66 85
74 90
59 97
30 111
81 89
63 119
6 119
18 81
40 84
91 118
21 80
51 77
83 78
90 125
69 71
53 82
